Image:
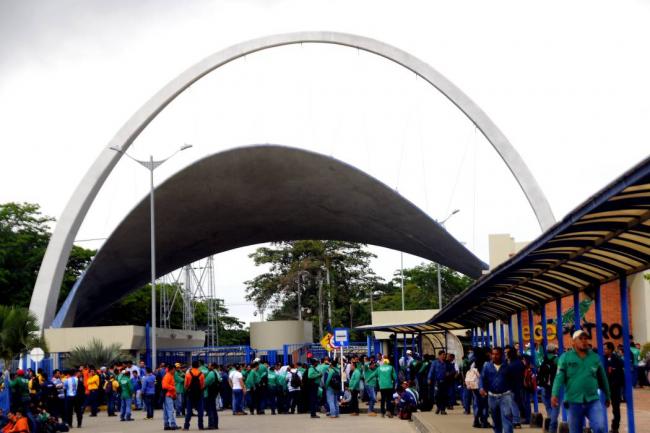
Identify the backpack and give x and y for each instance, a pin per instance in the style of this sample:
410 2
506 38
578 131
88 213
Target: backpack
530 381
335 381
295 381
194 391
546 373
472 378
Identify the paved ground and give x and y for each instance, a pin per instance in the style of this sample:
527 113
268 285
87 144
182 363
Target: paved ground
255 424
456 422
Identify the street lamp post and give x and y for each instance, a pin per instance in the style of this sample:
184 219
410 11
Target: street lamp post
151 165
438 269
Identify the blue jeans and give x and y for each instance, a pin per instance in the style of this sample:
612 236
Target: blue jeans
237 401
125 409
594 411
501 412
467 400
169 417
333 401
551 412
178 404
372 398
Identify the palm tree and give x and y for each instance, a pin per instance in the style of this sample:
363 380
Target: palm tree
19 332
95 353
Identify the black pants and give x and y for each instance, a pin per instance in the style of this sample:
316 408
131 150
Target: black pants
313 399
354 403
294 397
442 392
616 407
387 401
210 404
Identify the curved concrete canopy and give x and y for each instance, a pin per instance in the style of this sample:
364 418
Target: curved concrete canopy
252 195
50 276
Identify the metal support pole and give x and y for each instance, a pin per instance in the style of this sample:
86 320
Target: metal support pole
599 339
503 337
404 345
368 345
487 330
520 329
154 355
395 353
533 354
625 323
439 286
401 274
412 343
576 312
494 334
560 347
511 339
420 344
482 338
473 335
544 331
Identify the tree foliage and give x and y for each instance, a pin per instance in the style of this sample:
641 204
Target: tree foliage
19 332
135 309
24 235
95 354
421 288
304 266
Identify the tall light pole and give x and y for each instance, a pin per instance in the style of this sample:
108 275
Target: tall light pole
442 223
151 165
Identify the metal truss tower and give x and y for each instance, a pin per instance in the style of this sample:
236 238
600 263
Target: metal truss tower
184 289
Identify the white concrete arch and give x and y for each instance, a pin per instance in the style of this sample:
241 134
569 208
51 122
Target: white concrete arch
50 276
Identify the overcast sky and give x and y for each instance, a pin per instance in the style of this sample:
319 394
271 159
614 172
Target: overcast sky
567 82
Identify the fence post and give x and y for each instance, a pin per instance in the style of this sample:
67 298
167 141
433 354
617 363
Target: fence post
285 352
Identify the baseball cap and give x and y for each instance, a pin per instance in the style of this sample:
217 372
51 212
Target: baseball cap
20 372
409 352
177 365
577 334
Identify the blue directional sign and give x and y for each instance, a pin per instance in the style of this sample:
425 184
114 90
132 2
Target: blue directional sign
341 337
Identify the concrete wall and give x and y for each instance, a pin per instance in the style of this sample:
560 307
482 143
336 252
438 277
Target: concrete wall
62 340
502 247
639 307
276 333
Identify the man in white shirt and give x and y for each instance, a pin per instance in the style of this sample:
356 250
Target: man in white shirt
236 380
294 383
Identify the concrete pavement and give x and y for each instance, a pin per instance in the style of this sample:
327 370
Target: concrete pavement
253 424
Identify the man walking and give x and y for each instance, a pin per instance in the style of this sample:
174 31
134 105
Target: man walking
582 374
210 395
545 377
236 380
496 384
313 376
437 380
616 379
149 391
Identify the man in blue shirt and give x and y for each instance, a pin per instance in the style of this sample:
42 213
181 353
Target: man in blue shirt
149 391
437 380
496 383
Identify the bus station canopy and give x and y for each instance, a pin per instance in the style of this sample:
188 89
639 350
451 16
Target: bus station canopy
603 239
413 328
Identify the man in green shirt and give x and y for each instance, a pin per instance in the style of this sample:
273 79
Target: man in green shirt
370 379
210 392
126 394
581 373
179 381
313 384
354 387
636 356
387 379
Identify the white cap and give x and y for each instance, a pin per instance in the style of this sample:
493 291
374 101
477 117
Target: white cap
409 352
256 360
578 334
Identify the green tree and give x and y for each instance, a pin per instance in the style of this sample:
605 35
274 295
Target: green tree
421 288
24 235
308 266
19 332
135 309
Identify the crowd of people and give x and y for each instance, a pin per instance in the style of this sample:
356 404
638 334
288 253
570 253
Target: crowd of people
497 385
